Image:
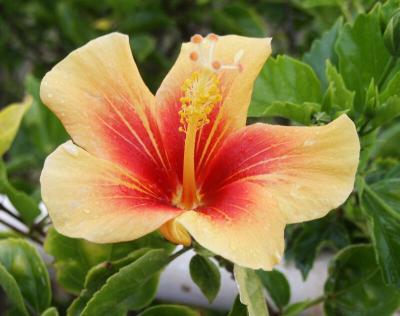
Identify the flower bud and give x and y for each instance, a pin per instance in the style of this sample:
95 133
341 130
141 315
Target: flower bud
392 35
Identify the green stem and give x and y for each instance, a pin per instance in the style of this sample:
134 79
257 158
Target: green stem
316 301
388 69
178 253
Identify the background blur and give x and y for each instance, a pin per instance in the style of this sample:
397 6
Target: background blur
36 34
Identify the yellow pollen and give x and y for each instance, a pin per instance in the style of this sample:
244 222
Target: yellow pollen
200 94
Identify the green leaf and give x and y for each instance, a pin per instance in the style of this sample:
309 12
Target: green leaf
285 80
386 112
300 113
206 275
74 257
341 99
277 286
359 61
355 286
312 237
296 308
169 310
24 263
381 201
99 274
114 297
52 311
323 49
11 289
23 203
200 250
392 88
10 118
387 144
238 309
250 291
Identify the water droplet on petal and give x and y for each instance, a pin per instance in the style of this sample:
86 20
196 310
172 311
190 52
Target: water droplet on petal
71 149
309 142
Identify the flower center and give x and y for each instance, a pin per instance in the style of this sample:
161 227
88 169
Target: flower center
201 93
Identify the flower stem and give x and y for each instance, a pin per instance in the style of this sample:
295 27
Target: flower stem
179 253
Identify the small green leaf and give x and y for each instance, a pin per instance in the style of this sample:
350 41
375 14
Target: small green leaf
10 119
24 263
386 112
74 257
359 61
355 286
98 275
11 289
200 250
296 308
322 50
341 98
300 113
392 88
238 309
52 311
286 80
23 203
381 201
206 275
392 35
277 286
169 310
311 238
115 296
250 291
387 144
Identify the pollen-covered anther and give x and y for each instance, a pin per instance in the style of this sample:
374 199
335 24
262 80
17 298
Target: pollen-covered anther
204 52
200 94
216 64
212 37
196 39
194 56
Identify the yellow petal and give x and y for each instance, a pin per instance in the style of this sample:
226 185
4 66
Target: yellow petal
10 119
102 101
97 200
308 171
241 225
265 176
